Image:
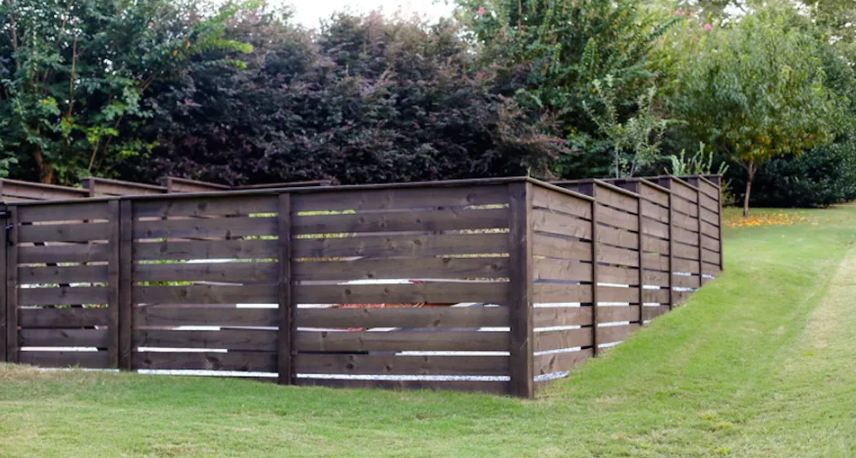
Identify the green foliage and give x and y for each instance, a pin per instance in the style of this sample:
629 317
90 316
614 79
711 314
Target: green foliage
821 177
756 89
74 74
700 163
549 55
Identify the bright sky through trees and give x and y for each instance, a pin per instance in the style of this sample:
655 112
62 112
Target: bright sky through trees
310 12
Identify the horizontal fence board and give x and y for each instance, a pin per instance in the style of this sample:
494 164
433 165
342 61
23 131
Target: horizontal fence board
206 294
620 256
617 199
423 220
655 229
495 387
93 252
231 339
402 317
206 250
614 313
214 228
550 246
610 334
561 269
424 268
208 206
545 317
621 275
82 232
231 272
357 341
555 340
63 295
560 292
62 318
205 316
62 275
559 362
243 361
65 338
63 212
652 211
424 292
362 364
561 224
83 359
618 237
616 218
617 294
558 202
655 244
387 199
401 245
651 312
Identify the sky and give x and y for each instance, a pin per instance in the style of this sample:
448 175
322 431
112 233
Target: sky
309 12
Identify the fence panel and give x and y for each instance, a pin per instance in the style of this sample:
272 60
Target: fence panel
402 287
61 283
686 238
710 216
204 290
562 282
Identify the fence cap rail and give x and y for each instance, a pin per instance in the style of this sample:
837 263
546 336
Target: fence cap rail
168 180
88 181
315 189
600 182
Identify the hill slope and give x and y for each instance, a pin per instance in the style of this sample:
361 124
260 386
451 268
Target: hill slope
760 362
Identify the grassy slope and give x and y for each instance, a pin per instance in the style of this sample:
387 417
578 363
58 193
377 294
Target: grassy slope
760 362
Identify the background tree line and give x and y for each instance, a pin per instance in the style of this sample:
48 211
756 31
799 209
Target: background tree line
238 93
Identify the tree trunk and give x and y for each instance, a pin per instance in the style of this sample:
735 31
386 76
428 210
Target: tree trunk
750 174
46 172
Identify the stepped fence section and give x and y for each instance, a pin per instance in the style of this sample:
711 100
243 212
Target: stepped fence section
494 285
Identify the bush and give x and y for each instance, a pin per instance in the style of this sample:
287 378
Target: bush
818 178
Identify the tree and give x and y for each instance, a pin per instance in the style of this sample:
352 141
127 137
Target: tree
549 55
756 89
74 73
366 99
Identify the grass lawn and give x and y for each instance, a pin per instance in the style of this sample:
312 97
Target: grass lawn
761 362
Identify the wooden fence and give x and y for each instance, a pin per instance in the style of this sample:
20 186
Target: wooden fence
492 285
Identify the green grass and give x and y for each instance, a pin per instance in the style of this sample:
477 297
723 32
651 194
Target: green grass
761 362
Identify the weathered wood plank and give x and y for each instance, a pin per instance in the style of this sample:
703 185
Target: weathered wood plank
546 317
64 295
231 339
206 207
388 199
206 294
561 269
65 338
551 246
62 275
64 212
401 245
62 318
496 387
84 359
555 340
560 224
362 364
559 362
214 228
358 341
443 219
423 292
205 316
93 252
425 268
225 272
66 232
416 317
556 202
208 250
246 361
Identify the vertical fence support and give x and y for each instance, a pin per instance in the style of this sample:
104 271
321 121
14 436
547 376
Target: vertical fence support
12 287
719 220
126 284
594 268
640 242
114 282
286 307
4 248
700 249
671 254
520 304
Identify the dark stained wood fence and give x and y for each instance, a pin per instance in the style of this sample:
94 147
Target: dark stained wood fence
491 285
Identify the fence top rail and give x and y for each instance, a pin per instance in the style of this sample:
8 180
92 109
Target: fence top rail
316 189
683 179
43 186
167 180
88 181
286 184
599 182
642 180
703 178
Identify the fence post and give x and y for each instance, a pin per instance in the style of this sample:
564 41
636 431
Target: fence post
594 268
3 250
700 249
12 286
286 306
114 282
671 254
640 244
521 368
125 284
